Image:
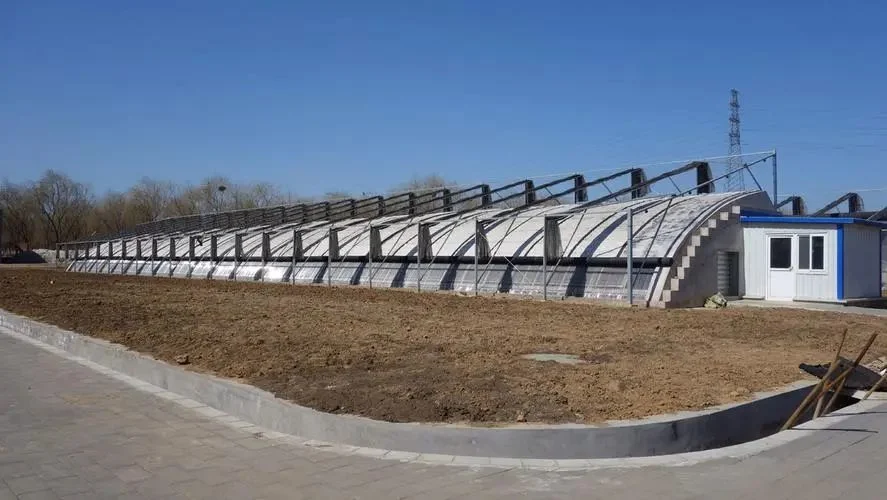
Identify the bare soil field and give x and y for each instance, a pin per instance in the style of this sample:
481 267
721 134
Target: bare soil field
407 357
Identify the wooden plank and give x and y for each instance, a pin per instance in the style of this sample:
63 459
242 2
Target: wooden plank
819 401
812 395
856 362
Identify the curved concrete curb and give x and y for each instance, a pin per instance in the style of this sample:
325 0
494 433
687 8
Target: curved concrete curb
676 434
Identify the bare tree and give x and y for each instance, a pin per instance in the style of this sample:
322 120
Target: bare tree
113 214
57 208
427 190
212 195
20 217
264 194
63 204
336 196
217 194
427 183
184 200
151 199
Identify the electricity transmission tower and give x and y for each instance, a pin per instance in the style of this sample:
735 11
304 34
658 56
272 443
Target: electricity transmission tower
735 180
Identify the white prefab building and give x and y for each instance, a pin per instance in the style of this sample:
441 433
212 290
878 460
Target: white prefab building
811 258
884 261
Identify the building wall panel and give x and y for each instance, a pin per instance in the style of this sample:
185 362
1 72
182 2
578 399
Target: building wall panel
816 286
809 285
862 261
884 260
755 261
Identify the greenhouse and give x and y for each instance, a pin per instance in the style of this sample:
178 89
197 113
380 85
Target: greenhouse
461 241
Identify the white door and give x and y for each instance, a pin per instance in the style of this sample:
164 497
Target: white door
781 271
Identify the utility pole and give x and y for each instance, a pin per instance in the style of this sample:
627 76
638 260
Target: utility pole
735 180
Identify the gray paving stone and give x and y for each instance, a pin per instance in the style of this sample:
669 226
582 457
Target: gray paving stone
6 493
132 496
26 484
201 452
111 487
193 489
92 473
252 443
154 489
38 495
13 470
188 462
259 479
90 495
54 471
218 443
80 434
68 486
173 475
212 476
132 474
227 464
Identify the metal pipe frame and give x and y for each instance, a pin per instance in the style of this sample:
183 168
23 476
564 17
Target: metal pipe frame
581 188
712 181
854 202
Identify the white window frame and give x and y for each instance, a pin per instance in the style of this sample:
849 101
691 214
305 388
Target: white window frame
792 262
810 270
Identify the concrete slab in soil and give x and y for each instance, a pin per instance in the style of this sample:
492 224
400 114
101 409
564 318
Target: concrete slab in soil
564 359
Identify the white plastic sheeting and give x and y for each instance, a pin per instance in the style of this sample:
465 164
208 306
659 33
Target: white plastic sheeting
509 257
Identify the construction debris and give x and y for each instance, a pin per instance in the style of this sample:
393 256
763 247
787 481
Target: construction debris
878 365
833 381
716 301
861 378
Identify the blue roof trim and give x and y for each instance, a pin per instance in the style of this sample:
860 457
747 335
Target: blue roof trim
778 219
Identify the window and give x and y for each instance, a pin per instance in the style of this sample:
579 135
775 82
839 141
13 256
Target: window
811 253
781 253
803 252
818 252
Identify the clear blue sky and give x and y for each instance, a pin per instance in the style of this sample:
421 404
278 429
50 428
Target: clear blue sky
360 96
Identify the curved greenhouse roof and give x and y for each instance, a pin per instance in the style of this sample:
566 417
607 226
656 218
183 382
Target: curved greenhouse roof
575 249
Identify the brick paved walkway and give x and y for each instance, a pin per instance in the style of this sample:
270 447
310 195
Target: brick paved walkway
69 432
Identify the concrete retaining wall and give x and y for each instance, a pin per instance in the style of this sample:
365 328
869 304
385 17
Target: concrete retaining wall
657 436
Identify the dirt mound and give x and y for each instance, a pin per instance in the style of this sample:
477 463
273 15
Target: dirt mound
402 356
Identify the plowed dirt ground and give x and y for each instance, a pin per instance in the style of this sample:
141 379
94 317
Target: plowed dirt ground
402 356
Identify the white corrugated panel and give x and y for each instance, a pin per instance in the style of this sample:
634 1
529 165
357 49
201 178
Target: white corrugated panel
809 285
862 261
818 285
755 257
884 260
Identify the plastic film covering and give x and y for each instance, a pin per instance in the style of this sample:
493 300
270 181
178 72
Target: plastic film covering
435 251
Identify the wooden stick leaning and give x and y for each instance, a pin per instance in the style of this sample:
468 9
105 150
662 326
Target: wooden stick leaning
830 385
812 395
820 390
821 398
847 373
875 387
835 381
807 400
